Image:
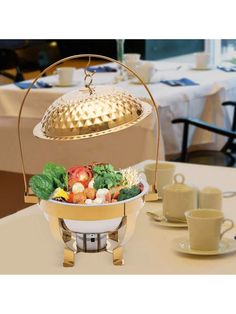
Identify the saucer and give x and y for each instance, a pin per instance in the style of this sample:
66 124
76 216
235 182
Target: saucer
137 82
57 84
201 69
226 246
166 223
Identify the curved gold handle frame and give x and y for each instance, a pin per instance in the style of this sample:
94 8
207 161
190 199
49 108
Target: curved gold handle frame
154 190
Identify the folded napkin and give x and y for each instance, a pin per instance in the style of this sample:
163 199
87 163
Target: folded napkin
38 84
181 82
102 69
227 68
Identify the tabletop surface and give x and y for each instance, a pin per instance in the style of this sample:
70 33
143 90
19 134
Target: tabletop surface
27 247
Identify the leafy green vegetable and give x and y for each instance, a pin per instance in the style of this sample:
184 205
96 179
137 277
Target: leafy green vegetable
127 193
106 177
53 177
57 174
42 186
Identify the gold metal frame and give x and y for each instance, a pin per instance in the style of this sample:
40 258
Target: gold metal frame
57 211
29 198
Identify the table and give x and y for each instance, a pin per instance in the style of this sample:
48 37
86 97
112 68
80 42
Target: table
27 247
203 101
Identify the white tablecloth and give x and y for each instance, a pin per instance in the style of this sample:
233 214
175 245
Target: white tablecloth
27 246
203 101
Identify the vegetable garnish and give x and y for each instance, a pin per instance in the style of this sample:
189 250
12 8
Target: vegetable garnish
53 177
79 174
97 183
127 193
42 186
57 174
106 177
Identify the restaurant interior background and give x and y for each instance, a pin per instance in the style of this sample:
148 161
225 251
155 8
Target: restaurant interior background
34 55
24 59
182 19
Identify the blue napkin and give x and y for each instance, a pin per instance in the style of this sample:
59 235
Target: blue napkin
39 84
181 82
227 68
102 69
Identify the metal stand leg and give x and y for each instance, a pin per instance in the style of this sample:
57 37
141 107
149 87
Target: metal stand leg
128 223
118 256
69 257
113 236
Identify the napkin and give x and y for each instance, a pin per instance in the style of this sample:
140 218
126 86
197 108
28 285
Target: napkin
37 85
181 82
227 68
102 69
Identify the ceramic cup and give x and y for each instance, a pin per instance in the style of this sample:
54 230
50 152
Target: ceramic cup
165 174
132 60
146 71
205 228
65 75
131 57
210 197
201 60
178 198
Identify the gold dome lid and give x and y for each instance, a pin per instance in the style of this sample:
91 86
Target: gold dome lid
81 115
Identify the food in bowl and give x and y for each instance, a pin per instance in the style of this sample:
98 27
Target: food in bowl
97 183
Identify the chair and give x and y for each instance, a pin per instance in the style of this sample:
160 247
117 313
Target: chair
9 65
223 157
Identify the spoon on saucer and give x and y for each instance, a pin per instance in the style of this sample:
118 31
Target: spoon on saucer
161 218
227 194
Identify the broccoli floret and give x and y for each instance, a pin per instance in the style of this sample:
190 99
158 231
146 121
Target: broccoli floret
127 193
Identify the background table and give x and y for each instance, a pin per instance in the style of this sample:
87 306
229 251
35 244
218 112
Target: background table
27 247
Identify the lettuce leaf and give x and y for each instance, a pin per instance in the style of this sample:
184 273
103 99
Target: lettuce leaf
106 177
58 174
42 186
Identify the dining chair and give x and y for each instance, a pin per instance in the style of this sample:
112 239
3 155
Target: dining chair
9 65
223 157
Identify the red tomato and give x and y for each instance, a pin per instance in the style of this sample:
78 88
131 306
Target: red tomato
115 195
79 174
71 198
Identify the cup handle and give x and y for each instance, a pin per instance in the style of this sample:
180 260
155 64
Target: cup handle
227 229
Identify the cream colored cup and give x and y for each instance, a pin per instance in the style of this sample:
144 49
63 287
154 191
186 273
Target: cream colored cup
165 174
210 197
202 60
178 198
146 71
65 75
132 60
204 227
132 57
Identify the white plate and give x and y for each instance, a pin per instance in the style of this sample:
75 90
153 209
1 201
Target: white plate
226 246
56 84
166 223
137 82
201 69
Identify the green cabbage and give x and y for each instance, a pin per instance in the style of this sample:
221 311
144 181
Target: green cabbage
42 186
53 177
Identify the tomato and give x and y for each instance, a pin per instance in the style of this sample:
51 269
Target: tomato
73 169
71 197
79 174
115 195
